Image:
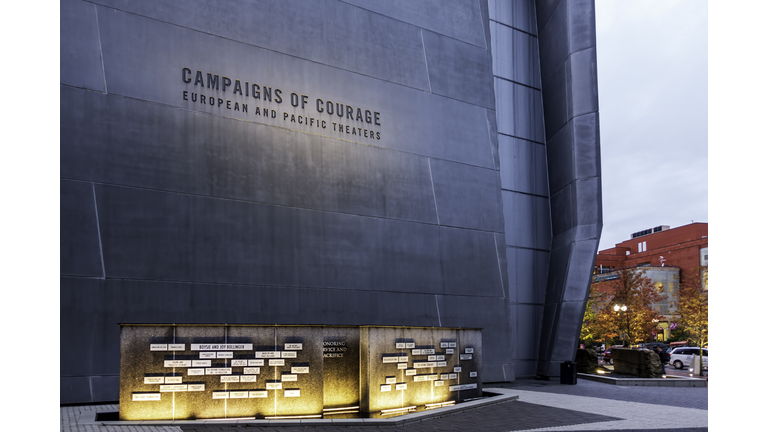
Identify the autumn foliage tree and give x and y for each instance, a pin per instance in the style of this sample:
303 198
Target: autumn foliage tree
692 303
633 290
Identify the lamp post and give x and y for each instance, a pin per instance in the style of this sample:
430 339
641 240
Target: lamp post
623 309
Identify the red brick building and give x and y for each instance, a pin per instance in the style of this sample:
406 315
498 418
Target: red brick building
665 254
685 247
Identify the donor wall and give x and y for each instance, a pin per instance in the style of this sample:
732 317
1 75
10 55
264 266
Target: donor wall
171 372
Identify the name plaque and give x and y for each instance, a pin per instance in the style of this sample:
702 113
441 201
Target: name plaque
267 354
430 377
436 357
173 388
207 355
220 395
238 394
444 376
442 364
449 351
158 347
277 362
465 356
421 365
391 380
230 378
257 362
292 393
248 378
439 383
453 376
177 363
154 380
457 369
462 387
401 386
252 370
288 354
274 385
469 350
173 380
176 347
201 363
424 351
402 365
218 371
386 387
196 371
140 397
289 377
300 369
239 362
258 394
224 354
220 347
409 372
447 344
293 346
196 387
473 374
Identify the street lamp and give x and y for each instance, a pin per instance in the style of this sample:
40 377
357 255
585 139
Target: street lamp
623 309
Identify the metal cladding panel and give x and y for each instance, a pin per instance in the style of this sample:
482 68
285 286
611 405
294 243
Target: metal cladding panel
520 14
516 55
327 32
466 196
456 19
569 74
523 166
527 274
79 246
527 220
458 70
462 250
519 110
80 59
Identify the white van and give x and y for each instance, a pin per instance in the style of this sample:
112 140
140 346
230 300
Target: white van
682 357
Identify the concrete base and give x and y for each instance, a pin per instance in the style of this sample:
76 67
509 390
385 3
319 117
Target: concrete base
490 397
648 382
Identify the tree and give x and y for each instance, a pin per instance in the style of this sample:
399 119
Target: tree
594 326
635 291
692 302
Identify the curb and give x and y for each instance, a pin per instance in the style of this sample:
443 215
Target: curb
647 382
496 396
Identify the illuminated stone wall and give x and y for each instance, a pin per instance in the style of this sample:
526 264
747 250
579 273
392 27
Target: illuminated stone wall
230 371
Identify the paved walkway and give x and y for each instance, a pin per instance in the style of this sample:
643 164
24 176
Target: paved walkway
542 406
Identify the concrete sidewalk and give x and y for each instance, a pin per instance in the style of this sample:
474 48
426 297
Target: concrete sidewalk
541 406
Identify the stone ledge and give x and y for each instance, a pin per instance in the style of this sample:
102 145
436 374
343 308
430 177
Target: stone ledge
647 382
496 396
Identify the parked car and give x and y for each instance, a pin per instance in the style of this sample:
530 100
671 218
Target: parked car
652 346
682 357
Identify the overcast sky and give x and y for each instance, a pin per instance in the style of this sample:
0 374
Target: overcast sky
652 84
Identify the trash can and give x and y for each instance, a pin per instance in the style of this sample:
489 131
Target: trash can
568 372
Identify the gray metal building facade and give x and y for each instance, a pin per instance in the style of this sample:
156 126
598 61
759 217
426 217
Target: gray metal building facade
355 162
